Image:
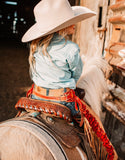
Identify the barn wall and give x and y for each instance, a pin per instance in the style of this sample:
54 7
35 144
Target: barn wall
94 34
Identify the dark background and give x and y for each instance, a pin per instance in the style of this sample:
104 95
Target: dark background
16 16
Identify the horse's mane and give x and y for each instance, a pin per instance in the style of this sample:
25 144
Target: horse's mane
92 79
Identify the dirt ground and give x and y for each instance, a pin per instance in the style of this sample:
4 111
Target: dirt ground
14 76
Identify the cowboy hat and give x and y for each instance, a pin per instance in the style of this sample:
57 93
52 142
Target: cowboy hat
53 15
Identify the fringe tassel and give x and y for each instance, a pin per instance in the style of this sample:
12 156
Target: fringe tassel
30 91
96 135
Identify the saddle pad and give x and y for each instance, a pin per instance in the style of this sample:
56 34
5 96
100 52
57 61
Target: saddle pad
42 134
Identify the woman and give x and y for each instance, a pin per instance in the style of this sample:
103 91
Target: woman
55 63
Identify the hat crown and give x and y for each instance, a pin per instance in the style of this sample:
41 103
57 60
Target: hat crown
49 12
54 15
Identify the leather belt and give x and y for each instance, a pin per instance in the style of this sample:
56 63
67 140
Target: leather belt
66 98
49 92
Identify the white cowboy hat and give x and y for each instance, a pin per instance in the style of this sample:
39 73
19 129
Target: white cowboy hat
53 15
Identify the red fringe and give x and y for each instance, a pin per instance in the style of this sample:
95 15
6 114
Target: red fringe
95 126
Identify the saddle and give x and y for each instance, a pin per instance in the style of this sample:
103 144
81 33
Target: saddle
52 116
61 126
58 120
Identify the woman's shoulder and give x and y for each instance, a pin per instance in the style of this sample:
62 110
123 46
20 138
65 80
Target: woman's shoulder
72 48
72 44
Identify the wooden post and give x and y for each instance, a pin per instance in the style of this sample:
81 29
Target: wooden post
77 2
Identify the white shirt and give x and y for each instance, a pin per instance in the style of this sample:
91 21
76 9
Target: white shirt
64 68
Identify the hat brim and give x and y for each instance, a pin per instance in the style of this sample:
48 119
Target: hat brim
80 14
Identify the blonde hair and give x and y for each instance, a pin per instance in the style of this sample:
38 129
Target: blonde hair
44 42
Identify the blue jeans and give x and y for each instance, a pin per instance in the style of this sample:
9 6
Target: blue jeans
70 105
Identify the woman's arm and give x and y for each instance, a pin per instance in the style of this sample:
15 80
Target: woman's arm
75 65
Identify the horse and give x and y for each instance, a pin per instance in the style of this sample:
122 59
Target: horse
53 138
